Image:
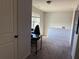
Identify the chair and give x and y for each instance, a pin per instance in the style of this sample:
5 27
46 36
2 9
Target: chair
35 38
37 30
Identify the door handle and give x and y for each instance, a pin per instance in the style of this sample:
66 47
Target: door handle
16 36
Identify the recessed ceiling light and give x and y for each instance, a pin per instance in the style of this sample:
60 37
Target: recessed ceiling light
48 2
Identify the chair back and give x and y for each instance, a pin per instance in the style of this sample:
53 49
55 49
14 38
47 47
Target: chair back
37 30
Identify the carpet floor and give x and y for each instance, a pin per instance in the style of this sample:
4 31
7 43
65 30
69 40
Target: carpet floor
53 49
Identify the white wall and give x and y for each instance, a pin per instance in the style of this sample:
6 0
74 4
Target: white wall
58 19
37 12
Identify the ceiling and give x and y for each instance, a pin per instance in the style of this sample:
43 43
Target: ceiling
56 5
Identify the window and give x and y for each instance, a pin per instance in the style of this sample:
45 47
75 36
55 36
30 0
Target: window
35 21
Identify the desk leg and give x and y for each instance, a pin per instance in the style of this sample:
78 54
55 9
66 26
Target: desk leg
41 43
36 47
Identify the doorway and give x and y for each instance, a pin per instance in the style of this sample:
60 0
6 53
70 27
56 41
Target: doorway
56 28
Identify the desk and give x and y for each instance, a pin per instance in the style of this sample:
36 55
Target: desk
35 38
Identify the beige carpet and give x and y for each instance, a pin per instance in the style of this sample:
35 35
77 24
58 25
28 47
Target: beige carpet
53 49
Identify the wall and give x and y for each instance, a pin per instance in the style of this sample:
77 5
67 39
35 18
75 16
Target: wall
58 19
37 12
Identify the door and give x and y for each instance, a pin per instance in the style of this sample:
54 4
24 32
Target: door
8 29
74 35
24 28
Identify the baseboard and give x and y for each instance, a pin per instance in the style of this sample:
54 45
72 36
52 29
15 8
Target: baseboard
44 35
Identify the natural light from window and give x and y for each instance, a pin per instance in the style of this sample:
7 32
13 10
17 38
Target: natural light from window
35 21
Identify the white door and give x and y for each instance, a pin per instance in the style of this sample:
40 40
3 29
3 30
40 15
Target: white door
74 35
24 28
8 44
